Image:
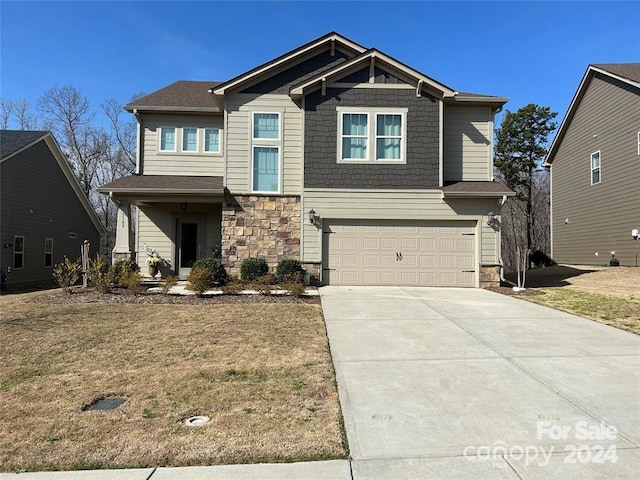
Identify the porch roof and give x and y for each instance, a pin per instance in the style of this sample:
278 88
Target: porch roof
182 185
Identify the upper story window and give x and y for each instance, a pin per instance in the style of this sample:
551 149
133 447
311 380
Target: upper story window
595 167
18 252
265 152
212 140
266 126
371 135
167 139
189 139
48 252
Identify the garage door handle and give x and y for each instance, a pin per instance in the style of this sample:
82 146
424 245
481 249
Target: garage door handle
398 256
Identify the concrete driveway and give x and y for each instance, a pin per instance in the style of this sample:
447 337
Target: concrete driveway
469 384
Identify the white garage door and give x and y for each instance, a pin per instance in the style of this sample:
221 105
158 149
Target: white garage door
374 252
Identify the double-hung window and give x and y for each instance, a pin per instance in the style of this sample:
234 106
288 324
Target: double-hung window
212 140
371 135
167 139
48 252
189 140
595 167
18 252
265 151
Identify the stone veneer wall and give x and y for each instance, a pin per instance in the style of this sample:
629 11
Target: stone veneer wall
489 276
259 226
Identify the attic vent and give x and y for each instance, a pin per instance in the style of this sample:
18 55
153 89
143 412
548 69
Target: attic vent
73 235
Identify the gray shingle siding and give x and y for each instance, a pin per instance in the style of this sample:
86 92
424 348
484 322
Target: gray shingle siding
281 83
321 169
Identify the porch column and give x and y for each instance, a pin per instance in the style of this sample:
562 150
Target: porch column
122 248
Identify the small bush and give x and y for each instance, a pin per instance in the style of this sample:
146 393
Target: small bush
217 272
67 274
289 271
253 268
264 284
295 289
199 280
167 283
234 286
120 271
100 275
133 283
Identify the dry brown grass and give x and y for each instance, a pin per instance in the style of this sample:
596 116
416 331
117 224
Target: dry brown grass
262 372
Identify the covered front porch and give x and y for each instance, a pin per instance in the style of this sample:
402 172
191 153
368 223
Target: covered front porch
178 217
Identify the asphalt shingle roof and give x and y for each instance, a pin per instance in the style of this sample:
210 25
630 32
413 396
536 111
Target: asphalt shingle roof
626 70
13 140
182 95
164 183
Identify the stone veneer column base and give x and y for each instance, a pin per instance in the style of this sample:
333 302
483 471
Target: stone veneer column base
117 256
313 270
265 226
489 275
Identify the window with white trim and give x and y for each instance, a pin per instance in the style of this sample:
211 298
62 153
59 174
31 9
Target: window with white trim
212 140
18 252
265 152
189 139
371 135
48 252
595 167
167 139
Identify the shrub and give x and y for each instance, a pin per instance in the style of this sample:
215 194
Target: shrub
133 283
295 289
289 271
264 284
167 283
67 274
199 280
234 286
253 268
120 271
100 275
217 272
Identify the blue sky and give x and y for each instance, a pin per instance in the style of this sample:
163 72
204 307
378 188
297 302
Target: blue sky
531 52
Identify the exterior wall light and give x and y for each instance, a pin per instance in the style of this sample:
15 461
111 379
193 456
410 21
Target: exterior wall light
491 219
312 217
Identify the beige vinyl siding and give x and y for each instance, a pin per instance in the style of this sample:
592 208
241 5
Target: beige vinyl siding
468 132
395 205
180 163
156 228
600 217
239 108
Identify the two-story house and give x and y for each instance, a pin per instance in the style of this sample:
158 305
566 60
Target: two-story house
366 170
595 169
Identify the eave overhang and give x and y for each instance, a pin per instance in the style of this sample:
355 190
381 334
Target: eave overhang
477 189
165 188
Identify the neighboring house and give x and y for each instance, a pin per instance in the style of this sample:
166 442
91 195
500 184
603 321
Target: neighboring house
366 170
595 169
45 216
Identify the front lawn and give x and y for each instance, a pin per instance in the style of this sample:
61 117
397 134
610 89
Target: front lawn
260 371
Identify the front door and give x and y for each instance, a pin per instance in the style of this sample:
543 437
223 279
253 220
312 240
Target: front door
189 244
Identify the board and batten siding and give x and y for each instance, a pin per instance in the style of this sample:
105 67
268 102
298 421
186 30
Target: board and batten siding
395 205
599 217
155 162
156 228
468 138
238 140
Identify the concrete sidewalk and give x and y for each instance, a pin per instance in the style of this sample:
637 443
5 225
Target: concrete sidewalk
329 470
469 384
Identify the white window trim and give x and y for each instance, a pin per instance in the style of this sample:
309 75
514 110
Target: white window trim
593 169
48 253
372 113
175 146
253 147
253 118
14 252
182 131
204 141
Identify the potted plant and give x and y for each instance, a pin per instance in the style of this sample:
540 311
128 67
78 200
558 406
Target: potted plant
154 260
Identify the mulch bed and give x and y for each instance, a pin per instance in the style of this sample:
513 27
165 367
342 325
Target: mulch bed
121 296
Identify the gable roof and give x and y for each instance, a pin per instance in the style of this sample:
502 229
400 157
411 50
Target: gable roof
287 58
180 96
628 73
475 189
15 138
12 141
